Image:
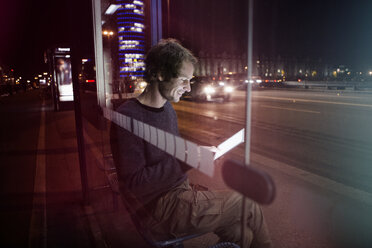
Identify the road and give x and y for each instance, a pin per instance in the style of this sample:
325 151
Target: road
326 133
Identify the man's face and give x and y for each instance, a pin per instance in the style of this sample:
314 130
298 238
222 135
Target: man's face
174 89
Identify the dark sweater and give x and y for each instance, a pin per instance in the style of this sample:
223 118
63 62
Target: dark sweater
143 169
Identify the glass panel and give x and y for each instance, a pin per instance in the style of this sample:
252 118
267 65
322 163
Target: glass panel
212 112
310 103
305 115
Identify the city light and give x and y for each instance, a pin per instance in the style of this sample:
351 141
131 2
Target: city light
131 25
138 2
108 33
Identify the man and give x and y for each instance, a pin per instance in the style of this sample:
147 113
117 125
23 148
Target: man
158 180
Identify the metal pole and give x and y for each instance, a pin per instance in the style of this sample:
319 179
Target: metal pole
168 18
160 22
79 124
98 47
156 21
75 31
154 32
248 107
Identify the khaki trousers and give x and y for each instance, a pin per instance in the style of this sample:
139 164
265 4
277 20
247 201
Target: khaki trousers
185 210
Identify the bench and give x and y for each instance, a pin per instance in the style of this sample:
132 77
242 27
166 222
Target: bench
145 233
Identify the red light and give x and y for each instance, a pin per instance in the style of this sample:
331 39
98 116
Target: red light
90 80
274 80
11 70
130 86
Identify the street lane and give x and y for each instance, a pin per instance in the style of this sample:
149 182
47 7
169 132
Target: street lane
326 133
19 130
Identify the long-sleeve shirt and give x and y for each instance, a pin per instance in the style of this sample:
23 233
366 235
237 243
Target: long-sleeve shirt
143 169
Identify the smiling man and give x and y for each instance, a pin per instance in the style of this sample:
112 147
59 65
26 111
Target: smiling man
158 181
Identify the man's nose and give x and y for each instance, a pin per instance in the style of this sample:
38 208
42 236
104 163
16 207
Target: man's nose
188 86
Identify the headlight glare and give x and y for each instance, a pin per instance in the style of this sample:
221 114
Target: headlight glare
228 89
209 90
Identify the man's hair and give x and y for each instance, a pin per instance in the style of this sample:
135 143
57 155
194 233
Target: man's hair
166 58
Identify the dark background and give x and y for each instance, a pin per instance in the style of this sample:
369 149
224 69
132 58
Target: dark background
337 32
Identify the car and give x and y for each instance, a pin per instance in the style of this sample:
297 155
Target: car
206 89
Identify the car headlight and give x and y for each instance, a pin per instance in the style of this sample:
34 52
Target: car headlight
209 90
228 89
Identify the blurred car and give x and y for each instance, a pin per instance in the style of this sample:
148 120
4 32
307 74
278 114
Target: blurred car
206 89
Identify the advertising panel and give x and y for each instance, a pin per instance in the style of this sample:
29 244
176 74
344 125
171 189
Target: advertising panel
64 78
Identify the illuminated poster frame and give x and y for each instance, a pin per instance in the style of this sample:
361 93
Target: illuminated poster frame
63 74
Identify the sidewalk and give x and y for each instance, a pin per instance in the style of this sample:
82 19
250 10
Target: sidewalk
59 219
307 212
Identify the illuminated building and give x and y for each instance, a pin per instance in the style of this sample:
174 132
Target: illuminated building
131 35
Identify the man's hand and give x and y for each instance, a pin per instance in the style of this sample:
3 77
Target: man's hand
211 148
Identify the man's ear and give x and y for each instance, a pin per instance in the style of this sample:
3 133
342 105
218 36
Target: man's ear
160 77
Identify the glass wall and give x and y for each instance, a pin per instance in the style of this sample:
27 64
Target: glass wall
308 89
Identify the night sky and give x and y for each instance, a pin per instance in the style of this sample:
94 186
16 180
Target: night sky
29 27
336 31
